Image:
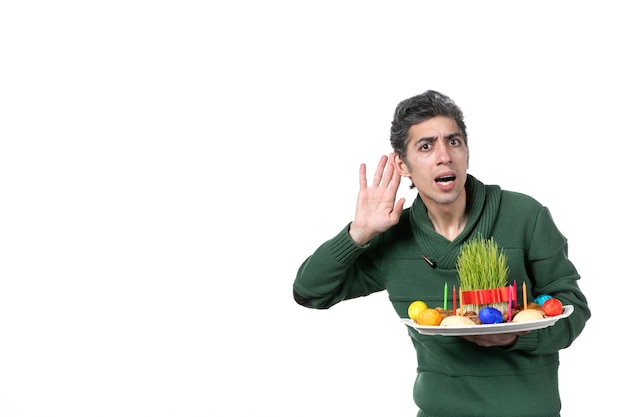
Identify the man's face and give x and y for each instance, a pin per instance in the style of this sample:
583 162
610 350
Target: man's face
436 160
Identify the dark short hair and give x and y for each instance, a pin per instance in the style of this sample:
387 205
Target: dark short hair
418 109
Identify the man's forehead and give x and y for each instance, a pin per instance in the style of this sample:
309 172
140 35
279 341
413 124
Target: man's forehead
433 128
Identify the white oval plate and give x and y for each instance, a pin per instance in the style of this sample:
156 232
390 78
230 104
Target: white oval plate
489 328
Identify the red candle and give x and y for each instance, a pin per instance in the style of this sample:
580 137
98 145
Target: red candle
515 293
510 301
454 298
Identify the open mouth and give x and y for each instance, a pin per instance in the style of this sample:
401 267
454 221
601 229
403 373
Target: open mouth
445 179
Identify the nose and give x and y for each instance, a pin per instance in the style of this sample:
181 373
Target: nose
443 156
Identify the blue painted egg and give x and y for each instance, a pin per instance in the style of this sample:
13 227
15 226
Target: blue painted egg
490 315
542 299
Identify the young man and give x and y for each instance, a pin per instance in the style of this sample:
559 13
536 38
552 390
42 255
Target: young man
383 248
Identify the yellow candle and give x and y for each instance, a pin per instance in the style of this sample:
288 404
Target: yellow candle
524 294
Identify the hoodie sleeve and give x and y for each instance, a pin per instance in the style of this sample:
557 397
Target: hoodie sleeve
339 269
552 272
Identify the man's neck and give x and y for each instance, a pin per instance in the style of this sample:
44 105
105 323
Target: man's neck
448 220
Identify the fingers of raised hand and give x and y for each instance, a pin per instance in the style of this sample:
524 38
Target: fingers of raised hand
380 170
386 175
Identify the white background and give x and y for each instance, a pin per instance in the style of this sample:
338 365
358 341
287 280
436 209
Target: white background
166 166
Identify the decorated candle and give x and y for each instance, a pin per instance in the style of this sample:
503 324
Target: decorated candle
510 302
454 298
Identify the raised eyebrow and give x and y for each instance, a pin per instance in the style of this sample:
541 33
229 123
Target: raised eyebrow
455 135
431 139
426 139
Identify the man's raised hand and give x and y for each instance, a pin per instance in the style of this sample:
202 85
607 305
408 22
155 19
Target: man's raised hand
376 208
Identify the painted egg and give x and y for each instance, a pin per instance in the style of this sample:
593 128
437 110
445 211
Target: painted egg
490 315
552 307
542 299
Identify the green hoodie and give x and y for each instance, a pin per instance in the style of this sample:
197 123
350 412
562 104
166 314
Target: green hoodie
456 378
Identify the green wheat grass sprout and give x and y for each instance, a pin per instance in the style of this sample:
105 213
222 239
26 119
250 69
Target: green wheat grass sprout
482 265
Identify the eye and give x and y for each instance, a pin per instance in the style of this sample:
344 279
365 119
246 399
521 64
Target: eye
455 142
426 146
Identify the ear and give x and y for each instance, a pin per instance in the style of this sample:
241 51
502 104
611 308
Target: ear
402 167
